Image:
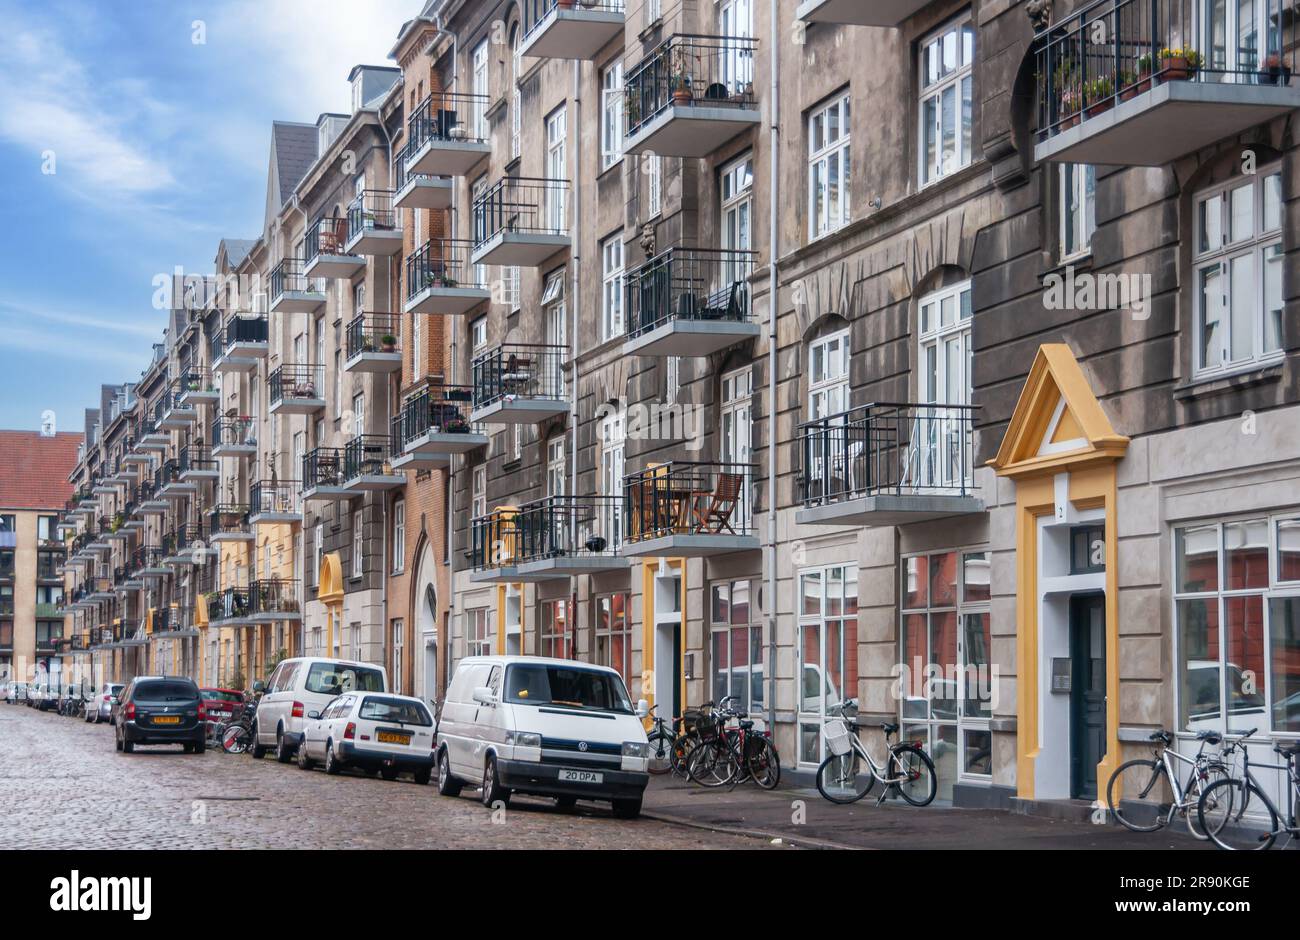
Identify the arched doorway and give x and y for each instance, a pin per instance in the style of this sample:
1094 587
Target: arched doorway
425 616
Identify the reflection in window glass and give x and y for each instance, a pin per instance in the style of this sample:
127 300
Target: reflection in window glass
1245 551
1284 667
1288 550
1198 559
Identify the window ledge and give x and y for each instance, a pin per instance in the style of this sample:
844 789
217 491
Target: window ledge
1079 262
1219 384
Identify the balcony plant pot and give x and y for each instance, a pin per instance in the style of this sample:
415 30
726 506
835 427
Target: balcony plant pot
682 94
1273 72
388 343
1178 65
1069 110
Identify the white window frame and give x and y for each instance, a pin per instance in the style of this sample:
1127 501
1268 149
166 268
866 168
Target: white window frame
804 717
827 155
478 334
358 545
478 493
959 80
611 261
613 438
556 466
557 168
737 208
611 115
935 459
654 168
399 535
479 80
1077 207
828 390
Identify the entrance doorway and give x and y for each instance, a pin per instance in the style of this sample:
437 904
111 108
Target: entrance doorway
1087 692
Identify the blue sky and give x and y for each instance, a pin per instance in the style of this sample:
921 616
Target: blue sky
160 147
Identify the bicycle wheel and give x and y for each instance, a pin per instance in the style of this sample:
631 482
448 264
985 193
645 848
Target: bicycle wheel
1137 795
764 765
1237 817
234 740
845 778
712 764
918 784
1199 786
661 753
682 748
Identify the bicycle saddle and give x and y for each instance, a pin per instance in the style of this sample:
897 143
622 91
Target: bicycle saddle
1164 736
888 727
746 725
1212 737
1287 751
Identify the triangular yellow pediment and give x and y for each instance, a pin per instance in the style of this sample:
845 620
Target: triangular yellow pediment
1058 421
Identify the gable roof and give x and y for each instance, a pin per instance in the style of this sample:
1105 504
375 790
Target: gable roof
293 151
237 249
34 470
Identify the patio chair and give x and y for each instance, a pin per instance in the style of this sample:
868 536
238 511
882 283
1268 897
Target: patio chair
713 510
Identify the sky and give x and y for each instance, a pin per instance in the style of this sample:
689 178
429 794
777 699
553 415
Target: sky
134 136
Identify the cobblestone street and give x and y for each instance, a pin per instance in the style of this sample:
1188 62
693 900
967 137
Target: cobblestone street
63 786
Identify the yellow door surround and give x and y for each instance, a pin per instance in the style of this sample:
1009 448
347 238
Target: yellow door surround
1059 427
329 591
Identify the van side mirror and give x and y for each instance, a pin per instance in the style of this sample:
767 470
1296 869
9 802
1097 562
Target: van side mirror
313 714
642 708
259 687
485 696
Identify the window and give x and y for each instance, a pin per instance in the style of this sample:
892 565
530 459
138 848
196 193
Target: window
358 545
672 378
359 294
614 634
611 115
941 450
611 254
945 689
318 541
510 287
417 345
397 637
736 20
478 494
1238 264
478 110
338 383
477 192
828 650
828 375
557 169
613 434
829 172
553 305
1237 632
654 169
653 11
735 431
478 632
478 334
399 536
736 650
516 97
555 467
737 214
359 413
1078 182
945 83
555 634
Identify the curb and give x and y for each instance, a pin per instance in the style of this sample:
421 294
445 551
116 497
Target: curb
786 838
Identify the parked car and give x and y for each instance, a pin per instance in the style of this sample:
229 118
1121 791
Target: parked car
302 685
16 692
221 702
100 706
550 727
161 710
373 731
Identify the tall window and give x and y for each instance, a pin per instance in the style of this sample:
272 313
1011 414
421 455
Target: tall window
829 169
614 634
736 19
1078 210
736 650
556 473
557 168
611 257
516 97
478 632
510 295
478 110
399 536
737 214
318 540
478 334
359 413
417 345
736 428
555 630
477 191
945 81
828 375
654 170
478 493
556 314
396 640
358 545
1238 263
613 435
611 115
940 454
828 650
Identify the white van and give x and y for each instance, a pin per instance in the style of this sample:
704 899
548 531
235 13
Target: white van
550 727
302 685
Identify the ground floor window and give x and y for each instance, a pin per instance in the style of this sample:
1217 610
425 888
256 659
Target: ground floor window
397 635
614 634
828 650
736 647
478 632
555 632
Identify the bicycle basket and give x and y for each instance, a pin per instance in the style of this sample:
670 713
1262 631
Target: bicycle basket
706 726
837 733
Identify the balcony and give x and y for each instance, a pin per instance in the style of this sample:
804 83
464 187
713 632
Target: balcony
176 413
447 135
240 344
683 509
230 607
134 458
322 475
367 466
418 190
168 483
234 436
292 291
275 599
691 95
230 522
197 388
149 561
493 554
886 13
151 500
272 501
432 426
372 343
373 227
184 545
1144 82
569 30
888 464
297 389
519 384
440 279
174 623
154 436
326 250
561 536
521 221
197 464
689 302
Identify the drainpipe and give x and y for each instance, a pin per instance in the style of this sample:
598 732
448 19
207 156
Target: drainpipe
576 227
774 253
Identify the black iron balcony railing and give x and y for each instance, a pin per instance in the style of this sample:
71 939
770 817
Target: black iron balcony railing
196 458
373 332
367 455
169 471
1112 50
171 620
121 575
184 539
288 277
372 211
494 540
440 409
232 430
146 492
539 12
685 70
567 526
278 496
450 117
147 556
195 380
322 467
236 330
327 236
6 606
275 597
7 566
299 381
49 567
688 284
521 205
518 371
442 263
232 603
888 448
690 498
229 519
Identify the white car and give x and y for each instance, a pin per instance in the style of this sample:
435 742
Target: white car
372 731
302 685
100 706
550 727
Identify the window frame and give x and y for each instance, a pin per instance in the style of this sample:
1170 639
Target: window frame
1075 183
838 151
954 79
612 323
612 127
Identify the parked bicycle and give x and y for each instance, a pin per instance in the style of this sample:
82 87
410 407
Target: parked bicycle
669 745
238 734
1130 789
850 772
729 754
1239 815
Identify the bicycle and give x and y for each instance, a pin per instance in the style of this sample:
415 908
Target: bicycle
849 772
1225 807
728 756
1136 779
668 749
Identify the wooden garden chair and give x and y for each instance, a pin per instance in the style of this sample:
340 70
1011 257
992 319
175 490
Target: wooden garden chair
712 511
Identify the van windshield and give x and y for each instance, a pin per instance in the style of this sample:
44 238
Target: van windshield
337 678
566 687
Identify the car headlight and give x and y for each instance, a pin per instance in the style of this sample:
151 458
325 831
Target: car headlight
523 739
636 749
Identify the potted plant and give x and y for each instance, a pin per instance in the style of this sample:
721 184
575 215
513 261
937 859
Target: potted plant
681 80
1100 95
457 426
388 343
1273 72
1178 65
1071 101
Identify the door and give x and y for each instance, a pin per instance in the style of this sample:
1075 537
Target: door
1087 693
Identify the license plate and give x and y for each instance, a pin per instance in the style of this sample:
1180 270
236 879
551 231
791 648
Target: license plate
581 776
392 737
167 719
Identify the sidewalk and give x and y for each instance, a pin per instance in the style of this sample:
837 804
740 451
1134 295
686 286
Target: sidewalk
751 811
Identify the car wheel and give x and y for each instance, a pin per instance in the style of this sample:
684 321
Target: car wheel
257 750
283 752
304 762
423 776
332 765
188 748
447 784
388 773
128 746
201 746
492 792
117 741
